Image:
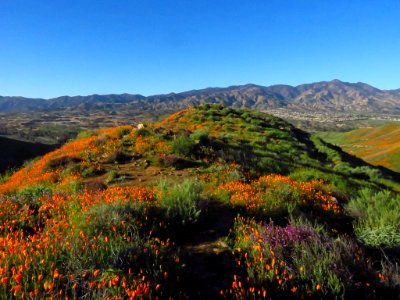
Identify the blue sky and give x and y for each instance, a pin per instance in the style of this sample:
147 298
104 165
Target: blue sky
51 48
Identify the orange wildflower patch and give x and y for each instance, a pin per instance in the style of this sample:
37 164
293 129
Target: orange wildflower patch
143 144
116 194
173 118
253 195
32 260
40 172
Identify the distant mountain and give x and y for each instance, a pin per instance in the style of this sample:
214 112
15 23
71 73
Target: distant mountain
21 104
17 104
92 100
330 96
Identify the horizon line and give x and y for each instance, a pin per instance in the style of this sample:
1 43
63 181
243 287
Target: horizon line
198 89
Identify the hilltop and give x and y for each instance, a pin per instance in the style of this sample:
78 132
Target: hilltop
199 138
210 202
378 146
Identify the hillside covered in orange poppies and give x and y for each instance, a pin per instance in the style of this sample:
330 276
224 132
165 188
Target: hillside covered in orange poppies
209 203
376 145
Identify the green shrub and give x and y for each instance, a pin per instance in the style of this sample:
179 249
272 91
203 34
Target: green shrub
340 184
111 176
117 222
180 202
302 251
200 135
35 191
183 146
5 175
88 172
142 132
106 219
377 217
75 186
123 131
86 134
317 263
269 165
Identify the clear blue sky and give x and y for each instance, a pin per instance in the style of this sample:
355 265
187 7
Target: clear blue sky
50 48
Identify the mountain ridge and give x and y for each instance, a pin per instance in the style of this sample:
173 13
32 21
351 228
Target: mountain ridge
334 95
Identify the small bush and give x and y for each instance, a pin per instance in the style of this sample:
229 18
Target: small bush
320 264
377 217
183 146
5 175
118 218
122 224
122 132
390 275
111 176
167 160
35 192
86 134
201 136
88 172
180 202
297 256
115 156
142 132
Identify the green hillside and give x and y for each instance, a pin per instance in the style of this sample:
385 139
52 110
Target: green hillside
209 203
377 146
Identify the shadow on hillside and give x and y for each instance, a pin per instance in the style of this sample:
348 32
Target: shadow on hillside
358 162
215 222
262 161
209 264
14 153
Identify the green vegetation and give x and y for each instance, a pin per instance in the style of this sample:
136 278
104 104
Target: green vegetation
376 145
183 146
180 202
377 217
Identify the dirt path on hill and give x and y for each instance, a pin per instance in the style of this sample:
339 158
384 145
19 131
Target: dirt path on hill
139 174
209 264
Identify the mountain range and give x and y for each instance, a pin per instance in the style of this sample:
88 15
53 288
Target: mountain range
324 96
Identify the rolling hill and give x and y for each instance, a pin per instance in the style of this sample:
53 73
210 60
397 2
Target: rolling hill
328 96
378 146
209 203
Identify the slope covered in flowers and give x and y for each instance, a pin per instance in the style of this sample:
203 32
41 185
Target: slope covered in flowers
264 212
378 146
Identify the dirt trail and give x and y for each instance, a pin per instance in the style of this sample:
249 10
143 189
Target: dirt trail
209 265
